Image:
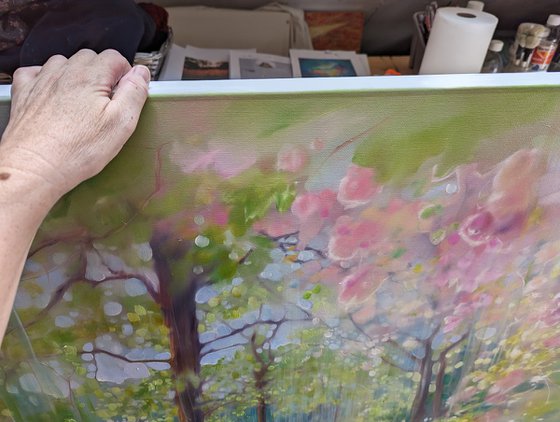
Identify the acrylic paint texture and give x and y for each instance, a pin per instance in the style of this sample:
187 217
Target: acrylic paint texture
360 256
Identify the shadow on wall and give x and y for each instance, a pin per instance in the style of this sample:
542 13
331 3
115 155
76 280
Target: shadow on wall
389 22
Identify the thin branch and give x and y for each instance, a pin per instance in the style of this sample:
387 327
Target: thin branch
317 251
63 288
123 275
80 233
240 330
158 181
358 136
60 291
245 257
121 357
237 331
453 345
277 238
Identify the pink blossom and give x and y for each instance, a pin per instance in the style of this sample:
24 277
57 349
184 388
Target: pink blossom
523 167
466 188
357 187
496 394
292 159
359 285
313 209
317 145
553 342
452 322
477 229
514 190
552 314
277 224
497 221
329 275
314 204
465 306
216 214
350 238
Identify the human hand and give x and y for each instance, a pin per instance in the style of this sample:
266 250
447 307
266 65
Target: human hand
70 117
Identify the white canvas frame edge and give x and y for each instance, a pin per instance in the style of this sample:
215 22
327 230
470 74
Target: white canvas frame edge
296 54
343 84
236 55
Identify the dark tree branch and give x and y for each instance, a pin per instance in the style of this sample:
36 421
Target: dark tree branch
79 276
455 344
78 234
277 238
358 136
124 358
437 401
123 275
245 257
245 327
61 290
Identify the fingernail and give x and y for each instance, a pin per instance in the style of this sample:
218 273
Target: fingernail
142 71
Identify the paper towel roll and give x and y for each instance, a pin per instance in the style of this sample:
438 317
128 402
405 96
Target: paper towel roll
458 41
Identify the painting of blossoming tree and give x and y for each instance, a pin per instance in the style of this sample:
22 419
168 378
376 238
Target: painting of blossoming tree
358 256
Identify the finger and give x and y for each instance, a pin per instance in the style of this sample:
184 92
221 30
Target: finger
82 57
54 63
23 78
129 97
51 70
109 67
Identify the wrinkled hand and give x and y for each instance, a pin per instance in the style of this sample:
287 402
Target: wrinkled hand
70 117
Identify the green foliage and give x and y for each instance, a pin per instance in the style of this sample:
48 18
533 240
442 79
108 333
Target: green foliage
252 201
447 131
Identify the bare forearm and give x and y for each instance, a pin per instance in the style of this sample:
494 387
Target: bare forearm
25 200
68 119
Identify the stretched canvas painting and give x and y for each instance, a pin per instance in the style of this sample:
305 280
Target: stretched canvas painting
343 255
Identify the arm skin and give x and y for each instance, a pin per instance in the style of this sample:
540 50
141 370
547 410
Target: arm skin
68 119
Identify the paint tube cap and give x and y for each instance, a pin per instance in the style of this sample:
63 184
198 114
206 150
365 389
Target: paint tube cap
553 20
475 5
496 45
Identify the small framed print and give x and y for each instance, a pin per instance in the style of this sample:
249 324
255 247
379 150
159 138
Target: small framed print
319 64
245 65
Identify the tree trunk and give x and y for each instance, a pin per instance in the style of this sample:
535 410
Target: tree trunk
261 410
260 385
260 379
438 408
418 411
177 299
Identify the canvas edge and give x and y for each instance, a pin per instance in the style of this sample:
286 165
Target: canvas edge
253 87
352 84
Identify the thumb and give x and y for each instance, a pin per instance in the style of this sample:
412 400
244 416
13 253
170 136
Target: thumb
130 93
